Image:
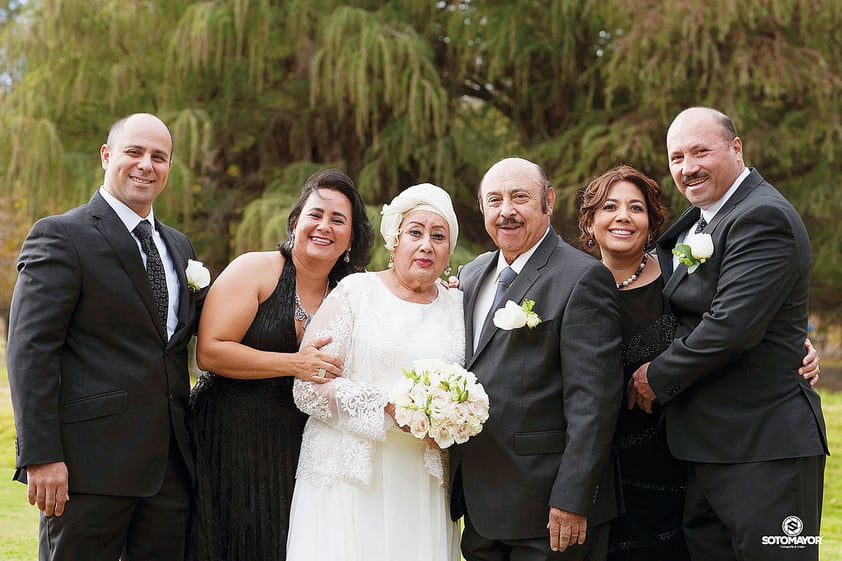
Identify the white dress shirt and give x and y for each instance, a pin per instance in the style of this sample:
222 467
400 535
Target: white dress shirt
130 219
485 296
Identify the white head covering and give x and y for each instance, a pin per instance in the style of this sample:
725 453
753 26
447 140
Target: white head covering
425 196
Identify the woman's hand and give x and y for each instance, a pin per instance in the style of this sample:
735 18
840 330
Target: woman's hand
390 411
313 365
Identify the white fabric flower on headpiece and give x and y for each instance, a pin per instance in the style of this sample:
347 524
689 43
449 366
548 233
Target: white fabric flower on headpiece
425 196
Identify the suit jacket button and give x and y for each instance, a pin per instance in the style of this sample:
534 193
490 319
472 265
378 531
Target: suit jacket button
673 389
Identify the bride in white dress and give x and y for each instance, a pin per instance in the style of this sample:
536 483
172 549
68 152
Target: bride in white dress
365 489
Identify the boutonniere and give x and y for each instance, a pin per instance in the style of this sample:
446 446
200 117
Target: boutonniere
198 276
696 249
515 316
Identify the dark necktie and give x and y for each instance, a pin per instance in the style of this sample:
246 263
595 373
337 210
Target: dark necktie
507 275
154 270
700 225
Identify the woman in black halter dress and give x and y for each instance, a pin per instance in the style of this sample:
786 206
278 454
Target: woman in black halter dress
246 428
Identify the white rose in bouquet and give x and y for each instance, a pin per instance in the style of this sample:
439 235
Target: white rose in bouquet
439 400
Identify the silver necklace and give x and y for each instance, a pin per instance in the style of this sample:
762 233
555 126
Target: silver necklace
300 313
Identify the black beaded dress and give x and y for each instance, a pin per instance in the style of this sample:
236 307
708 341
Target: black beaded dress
247 439
654 483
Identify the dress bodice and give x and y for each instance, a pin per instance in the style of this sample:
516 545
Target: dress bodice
377 335
647 330
272 329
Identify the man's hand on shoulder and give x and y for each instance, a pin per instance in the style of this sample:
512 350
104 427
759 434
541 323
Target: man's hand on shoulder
47 486
566 528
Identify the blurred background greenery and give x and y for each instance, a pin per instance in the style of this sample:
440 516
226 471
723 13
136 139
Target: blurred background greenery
261 93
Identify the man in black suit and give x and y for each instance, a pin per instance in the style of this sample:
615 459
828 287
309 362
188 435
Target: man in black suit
97 363
751 429
538 478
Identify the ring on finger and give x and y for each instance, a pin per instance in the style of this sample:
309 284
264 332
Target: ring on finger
322 372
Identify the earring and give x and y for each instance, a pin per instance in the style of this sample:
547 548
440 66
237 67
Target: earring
392 260
347 258
291 241
591 243
447 271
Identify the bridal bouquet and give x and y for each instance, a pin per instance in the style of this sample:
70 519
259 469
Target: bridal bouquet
440 400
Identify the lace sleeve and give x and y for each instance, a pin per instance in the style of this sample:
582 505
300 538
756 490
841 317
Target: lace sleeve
343 403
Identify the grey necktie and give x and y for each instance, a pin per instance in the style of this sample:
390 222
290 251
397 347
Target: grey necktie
507 275
700 225
154 270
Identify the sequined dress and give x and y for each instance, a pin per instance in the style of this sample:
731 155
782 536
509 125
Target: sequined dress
247 439
653 482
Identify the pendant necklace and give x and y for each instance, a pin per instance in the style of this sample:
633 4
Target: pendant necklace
300 313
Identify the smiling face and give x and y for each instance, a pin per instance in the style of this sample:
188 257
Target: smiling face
704 157
324 229
516 203
423 250
621 225
137 161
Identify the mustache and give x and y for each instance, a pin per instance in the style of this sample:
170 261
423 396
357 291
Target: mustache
509 222
687 179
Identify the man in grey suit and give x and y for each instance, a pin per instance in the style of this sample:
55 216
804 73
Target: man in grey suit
101 316
537 483
751 429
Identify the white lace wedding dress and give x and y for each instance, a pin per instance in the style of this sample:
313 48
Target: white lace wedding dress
365 490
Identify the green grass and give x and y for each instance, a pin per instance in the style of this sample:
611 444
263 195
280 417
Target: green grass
19 520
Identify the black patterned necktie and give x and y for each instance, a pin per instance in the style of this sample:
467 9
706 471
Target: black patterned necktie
700 225
154 270
507 275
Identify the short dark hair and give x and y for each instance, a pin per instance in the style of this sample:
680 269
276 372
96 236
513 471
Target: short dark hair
363 232
594 195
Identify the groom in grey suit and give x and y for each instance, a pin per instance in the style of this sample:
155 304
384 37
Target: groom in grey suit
538 482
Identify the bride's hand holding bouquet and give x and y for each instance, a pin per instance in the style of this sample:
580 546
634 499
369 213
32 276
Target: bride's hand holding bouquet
440 402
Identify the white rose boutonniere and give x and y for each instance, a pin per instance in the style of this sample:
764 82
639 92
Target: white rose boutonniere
514 316
696 249
198 276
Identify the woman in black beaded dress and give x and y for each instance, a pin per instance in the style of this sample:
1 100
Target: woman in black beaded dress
620 216
245 425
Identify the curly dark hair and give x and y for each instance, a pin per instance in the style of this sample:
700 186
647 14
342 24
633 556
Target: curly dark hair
594 195
363 232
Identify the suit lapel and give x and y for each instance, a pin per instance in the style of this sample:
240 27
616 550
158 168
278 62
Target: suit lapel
122 242
666 245
470 286
691 215
747 186
179 261
528 276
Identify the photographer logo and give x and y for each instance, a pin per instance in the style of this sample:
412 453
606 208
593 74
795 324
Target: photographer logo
792 527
